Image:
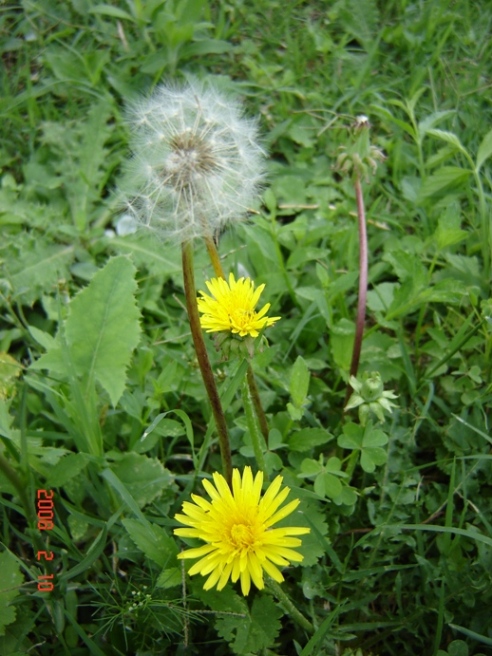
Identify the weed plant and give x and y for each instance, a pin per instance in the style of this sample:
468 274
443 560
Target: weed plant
106 429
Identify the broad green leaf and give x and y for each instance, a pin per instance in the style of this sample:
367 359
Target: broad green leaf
299 382
308 438
254 633
448 137
374 437
427 124
371 457
39 267
101 330
158 258
352 437
348 496
448 231
10 581
484 150
46 340
296 414
109 10
342 343
309 467
314 544
145 478
153 541
328 485
446 178
407 127
169 578
67 468
368 440
206 47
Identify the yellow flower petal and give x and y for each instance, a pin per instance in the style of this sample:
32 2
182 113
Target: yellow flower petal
231 307
236 528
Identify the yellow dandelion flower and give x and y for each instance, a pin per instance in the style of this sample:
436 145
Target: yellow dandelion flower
232 307
236 526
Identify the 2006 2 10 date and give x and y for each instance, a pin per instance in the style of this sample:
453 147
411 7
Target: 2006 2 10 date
45 523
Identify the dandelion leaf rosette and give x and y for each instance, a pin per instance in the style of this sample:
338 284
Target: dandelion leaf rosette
101 330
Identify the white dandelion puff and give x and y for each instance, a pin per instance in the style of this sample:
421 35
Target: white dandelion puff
196 164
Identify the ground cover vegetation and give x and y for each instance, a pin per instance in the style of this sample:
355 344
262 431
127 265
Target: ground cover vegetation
360 517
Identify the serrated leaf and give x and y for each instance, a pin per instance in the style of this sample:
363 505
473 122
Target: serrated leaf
169 578
314 544
10 581
308 438
39 267
67 468
254 633
448 137
484 150
443 180
145 478
101 330
427 124
153 541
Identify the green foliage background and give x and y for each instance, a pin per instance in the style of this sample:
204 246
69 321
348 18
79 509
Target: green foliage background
100 396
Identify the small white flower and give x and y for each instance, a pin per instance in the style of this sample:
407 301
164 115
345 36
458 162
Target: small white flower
196 162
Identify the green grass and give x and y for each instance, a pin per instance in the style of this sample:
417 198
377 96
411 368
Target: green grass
402 562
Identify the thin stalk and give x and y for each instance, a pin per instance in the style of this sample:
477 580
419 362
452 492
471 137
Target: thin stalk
289 605
255 395
256 438
253 388
203 360
214 256
361 305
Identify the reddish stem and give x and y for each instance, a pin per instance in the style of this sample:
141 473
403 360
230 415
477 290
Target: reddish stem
361 305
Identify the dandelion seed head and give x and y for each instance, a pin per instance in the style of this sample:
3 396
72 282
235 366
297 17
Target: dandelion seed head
196 164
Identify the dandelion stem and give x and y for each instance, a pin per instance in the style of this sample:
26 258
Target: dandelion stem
214 256
361 306
253 387
256 437
255 395
203 360
289 605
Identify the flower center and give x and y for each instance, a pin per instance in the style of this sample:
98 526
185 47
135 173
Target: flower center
241 317
241 536
191 157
